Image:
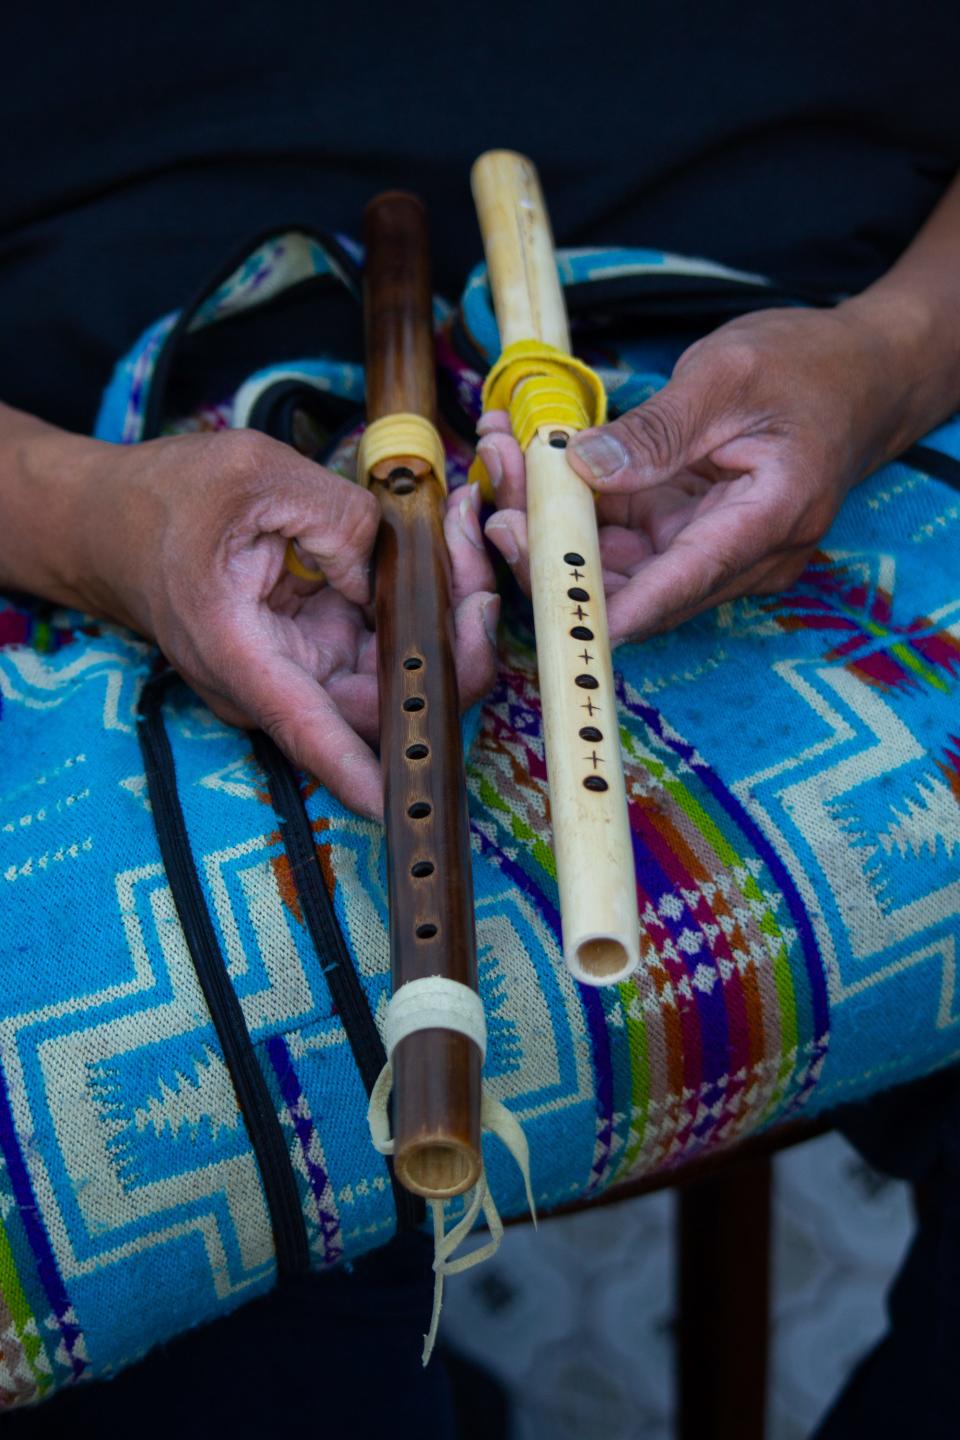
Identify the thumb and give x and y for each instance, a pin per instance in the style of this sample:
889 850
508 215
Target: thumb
683 422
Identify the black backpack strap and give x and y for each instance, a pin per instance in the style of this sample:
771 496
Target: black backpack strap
253 1096
933 462
321 921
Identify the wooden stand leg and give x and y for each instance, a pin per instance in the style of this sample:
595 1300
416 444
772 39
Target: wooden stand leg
723 1264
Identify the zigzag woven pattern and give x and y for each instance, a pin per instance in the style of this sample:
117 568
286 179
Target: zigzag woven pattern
793 770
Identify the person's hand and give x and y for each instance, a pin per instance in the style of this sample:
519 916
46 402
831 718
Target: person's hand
183 539
724 482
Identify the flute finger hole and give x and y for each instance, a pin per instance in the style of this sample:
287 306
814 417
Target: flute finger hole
417 752
412 662
419 810
581 632
414 703
421 869
426 932
402 481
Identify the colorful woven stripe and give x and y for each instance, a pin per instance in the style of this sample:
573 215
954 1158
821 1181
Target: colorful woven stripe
731 1002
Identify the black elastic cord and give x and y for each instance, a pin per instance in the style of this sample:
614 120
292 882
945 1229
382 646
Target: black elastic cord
253 1097
324 929
933 462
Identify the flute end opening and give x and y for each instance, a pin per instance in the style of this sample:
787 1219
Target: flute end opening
604 959
438 1169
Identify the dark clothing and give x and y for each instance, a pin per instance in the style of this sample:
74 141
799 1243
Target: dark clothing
809 142
330 1355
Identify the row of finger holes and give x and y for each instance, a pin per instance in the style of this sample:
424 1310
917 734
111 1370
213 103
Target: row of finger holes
585 681
420 869
412 705
420 809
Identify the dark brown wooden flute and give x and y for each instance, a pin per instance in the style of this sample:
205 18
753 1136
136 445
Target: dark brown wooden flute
436 1071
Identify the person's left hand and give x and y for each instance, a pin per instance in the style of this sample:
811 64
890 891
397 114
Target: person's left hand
724 482
184 539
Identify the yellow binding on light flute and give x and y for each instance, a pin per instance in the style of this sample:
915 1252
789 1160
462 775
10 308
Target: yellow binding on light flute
558 390
540 386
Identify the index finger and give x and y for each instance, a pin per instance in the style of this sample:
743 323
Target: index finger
470 567
300 716
503 460
705 558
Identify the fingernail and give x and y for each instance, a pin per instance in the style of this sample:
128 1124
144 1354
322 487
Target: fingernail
504 541
488 453
603 455
469 524
491 617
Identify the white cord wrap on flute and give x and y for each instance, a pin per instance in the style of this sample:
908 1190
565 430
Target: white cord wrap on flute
438 1003
540 386
435 1003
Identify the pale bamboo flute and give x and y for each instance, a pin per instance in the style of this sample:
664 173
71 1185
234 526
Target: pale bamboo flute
588 807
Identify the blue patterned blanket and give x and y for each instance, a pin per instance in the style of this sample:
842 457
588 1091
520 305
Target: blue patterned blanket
793 769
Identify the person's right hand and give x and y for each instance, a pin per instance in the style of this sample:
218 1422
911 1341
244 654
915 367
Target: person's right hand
725 481
183 539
